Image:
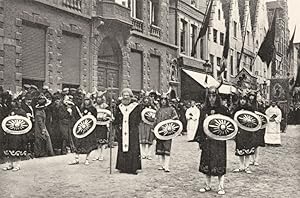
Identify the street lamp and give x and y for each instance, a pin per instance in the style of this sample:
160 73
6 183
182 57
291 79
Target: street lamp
206 65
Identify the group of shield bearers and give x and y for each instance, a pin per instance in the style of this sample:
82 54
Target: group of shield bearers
131 131
52 118
213 156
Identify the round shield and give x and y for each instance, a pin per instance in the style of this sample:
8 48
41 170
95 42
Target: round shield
247 120
220 127
84 126
103 116
148 116
264 119
16 125
168 129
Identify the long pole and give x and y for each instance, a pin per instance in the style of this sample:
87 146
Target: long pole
111 130
243 45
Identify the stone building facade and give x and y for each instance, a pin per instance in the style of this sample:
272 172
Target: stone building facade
84 43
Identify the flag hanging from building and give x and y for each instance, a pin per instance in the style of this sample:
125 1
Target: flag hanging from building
267 47
203 28
225 53
291 43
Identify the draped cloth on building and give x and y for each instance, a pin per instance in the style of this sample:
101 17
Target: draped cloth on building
127 119
272 135
192 115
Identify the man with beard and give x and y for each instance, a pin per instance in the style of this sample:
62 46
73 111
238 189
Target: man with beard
56 135
127 119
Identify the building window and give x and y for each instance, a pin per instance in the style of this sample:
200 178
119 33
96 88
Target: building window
248 38
237 62
235 29
154 72
221 38
218 61
33 42
71 58
193 37
193 3
225 74
154 12
201 48
219 14
183 25
231 64
211 60
215 35
136 70
251 64
136 9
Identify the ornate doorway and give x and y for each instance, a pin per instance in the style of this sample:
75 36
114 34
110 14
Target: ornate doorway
109 67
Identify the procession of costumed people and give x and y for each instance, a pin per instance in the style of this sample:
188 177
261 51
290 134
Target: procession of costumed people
72 121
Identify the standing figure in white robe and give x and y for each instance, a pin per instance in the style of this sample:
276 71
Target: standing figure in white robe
192 115
272 135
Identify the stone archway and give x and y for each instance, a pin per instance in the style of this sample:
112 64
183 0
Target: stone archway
109 66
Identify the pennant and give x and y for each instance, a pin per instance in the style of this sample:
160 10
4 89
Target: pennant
204 27
291 43
267 47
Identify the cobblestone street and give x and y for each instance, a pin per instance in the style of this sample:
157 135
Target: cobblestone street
277 175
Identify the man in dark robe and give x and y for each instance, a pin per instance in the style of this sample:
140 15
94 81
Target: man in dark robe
127 119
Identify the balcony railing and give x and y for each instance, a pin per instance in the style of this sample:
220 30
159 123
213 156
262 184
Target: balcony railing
112 10
73 4
155 31
138 24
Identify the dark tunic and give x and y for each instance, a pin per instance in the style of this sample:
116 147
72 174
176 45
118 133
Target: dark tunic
259 136
42 144
66 123
2 116
30 135
55 133
130 161
244 140
15 145
163 147
89 143
213 156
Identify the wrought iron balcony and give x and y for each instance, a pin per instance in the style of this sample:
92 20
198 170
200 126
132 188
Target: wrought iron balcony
155 31
109 9
138 24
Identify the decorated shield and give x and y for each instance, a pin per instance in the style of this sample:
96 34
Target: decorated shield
84 126
16 125
103 116
220 127
264 119
148 116
168 129
247 120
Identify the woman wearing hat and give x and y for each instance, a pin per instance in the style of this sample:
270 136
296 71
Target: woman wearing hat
214 155
15 145
42 144
127 119
67 116
163 147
